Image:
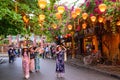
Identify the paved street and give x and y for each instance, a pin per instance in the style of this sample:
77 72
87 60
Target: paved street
14 72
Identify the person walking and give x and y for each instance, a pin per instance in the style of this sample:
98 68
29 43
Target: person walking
60 68
32 57
11 55
25 62
38 51
47 51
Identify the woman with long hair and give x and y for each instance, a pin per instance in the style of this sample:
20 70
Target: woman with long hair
25 62
60 68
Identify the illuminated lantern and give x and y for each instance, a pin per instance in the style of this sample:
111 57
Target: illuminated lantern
25 19
84 16
118 23
42 3
93 18
70 27
100 19
77 11
58 16
73 14
41 17
102 7
84 25
61 9
54 26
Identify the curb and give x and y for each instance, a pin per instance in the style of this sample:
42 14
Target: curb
93 68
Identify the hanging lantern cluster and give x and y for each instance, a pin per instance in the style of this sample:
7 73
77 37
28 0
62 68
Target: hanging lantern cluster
42 3
75 13
102 7
61 10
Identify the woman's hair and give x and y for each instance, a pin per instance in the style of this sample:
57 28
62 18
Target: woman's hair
23 50
57 49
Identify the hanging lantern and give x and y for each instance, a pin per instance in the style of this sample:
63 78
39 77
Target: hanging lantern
84 25
25 19
54 26
42 3
73 14
61 9
118 23
84 16
93 18
77 11
58 16
102 7
41 17
70 27
100 19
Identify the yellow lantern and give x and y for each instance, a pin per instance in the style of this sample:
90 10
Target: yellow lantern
42 3
100 19
73 14
61 9
93 18
54 26
41 17
84 16
70 27
25 19
84 25
58 16
118 23
77 11
102 7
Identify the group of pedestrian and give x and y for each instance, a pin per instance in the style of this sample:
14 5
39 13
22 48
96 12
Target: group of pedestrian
30 60
13 53
49 51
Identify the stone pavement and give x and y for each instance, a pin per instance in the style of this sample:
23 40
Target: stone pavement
113 71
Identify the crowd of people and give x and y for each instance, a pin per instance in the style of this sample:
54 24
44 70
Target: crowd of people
31 58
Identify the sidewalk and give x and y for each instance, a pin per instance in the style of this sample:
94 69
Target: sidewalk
3 54
113 71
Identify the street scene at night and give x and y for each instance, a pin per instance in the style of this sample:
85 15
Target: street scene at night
59 40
